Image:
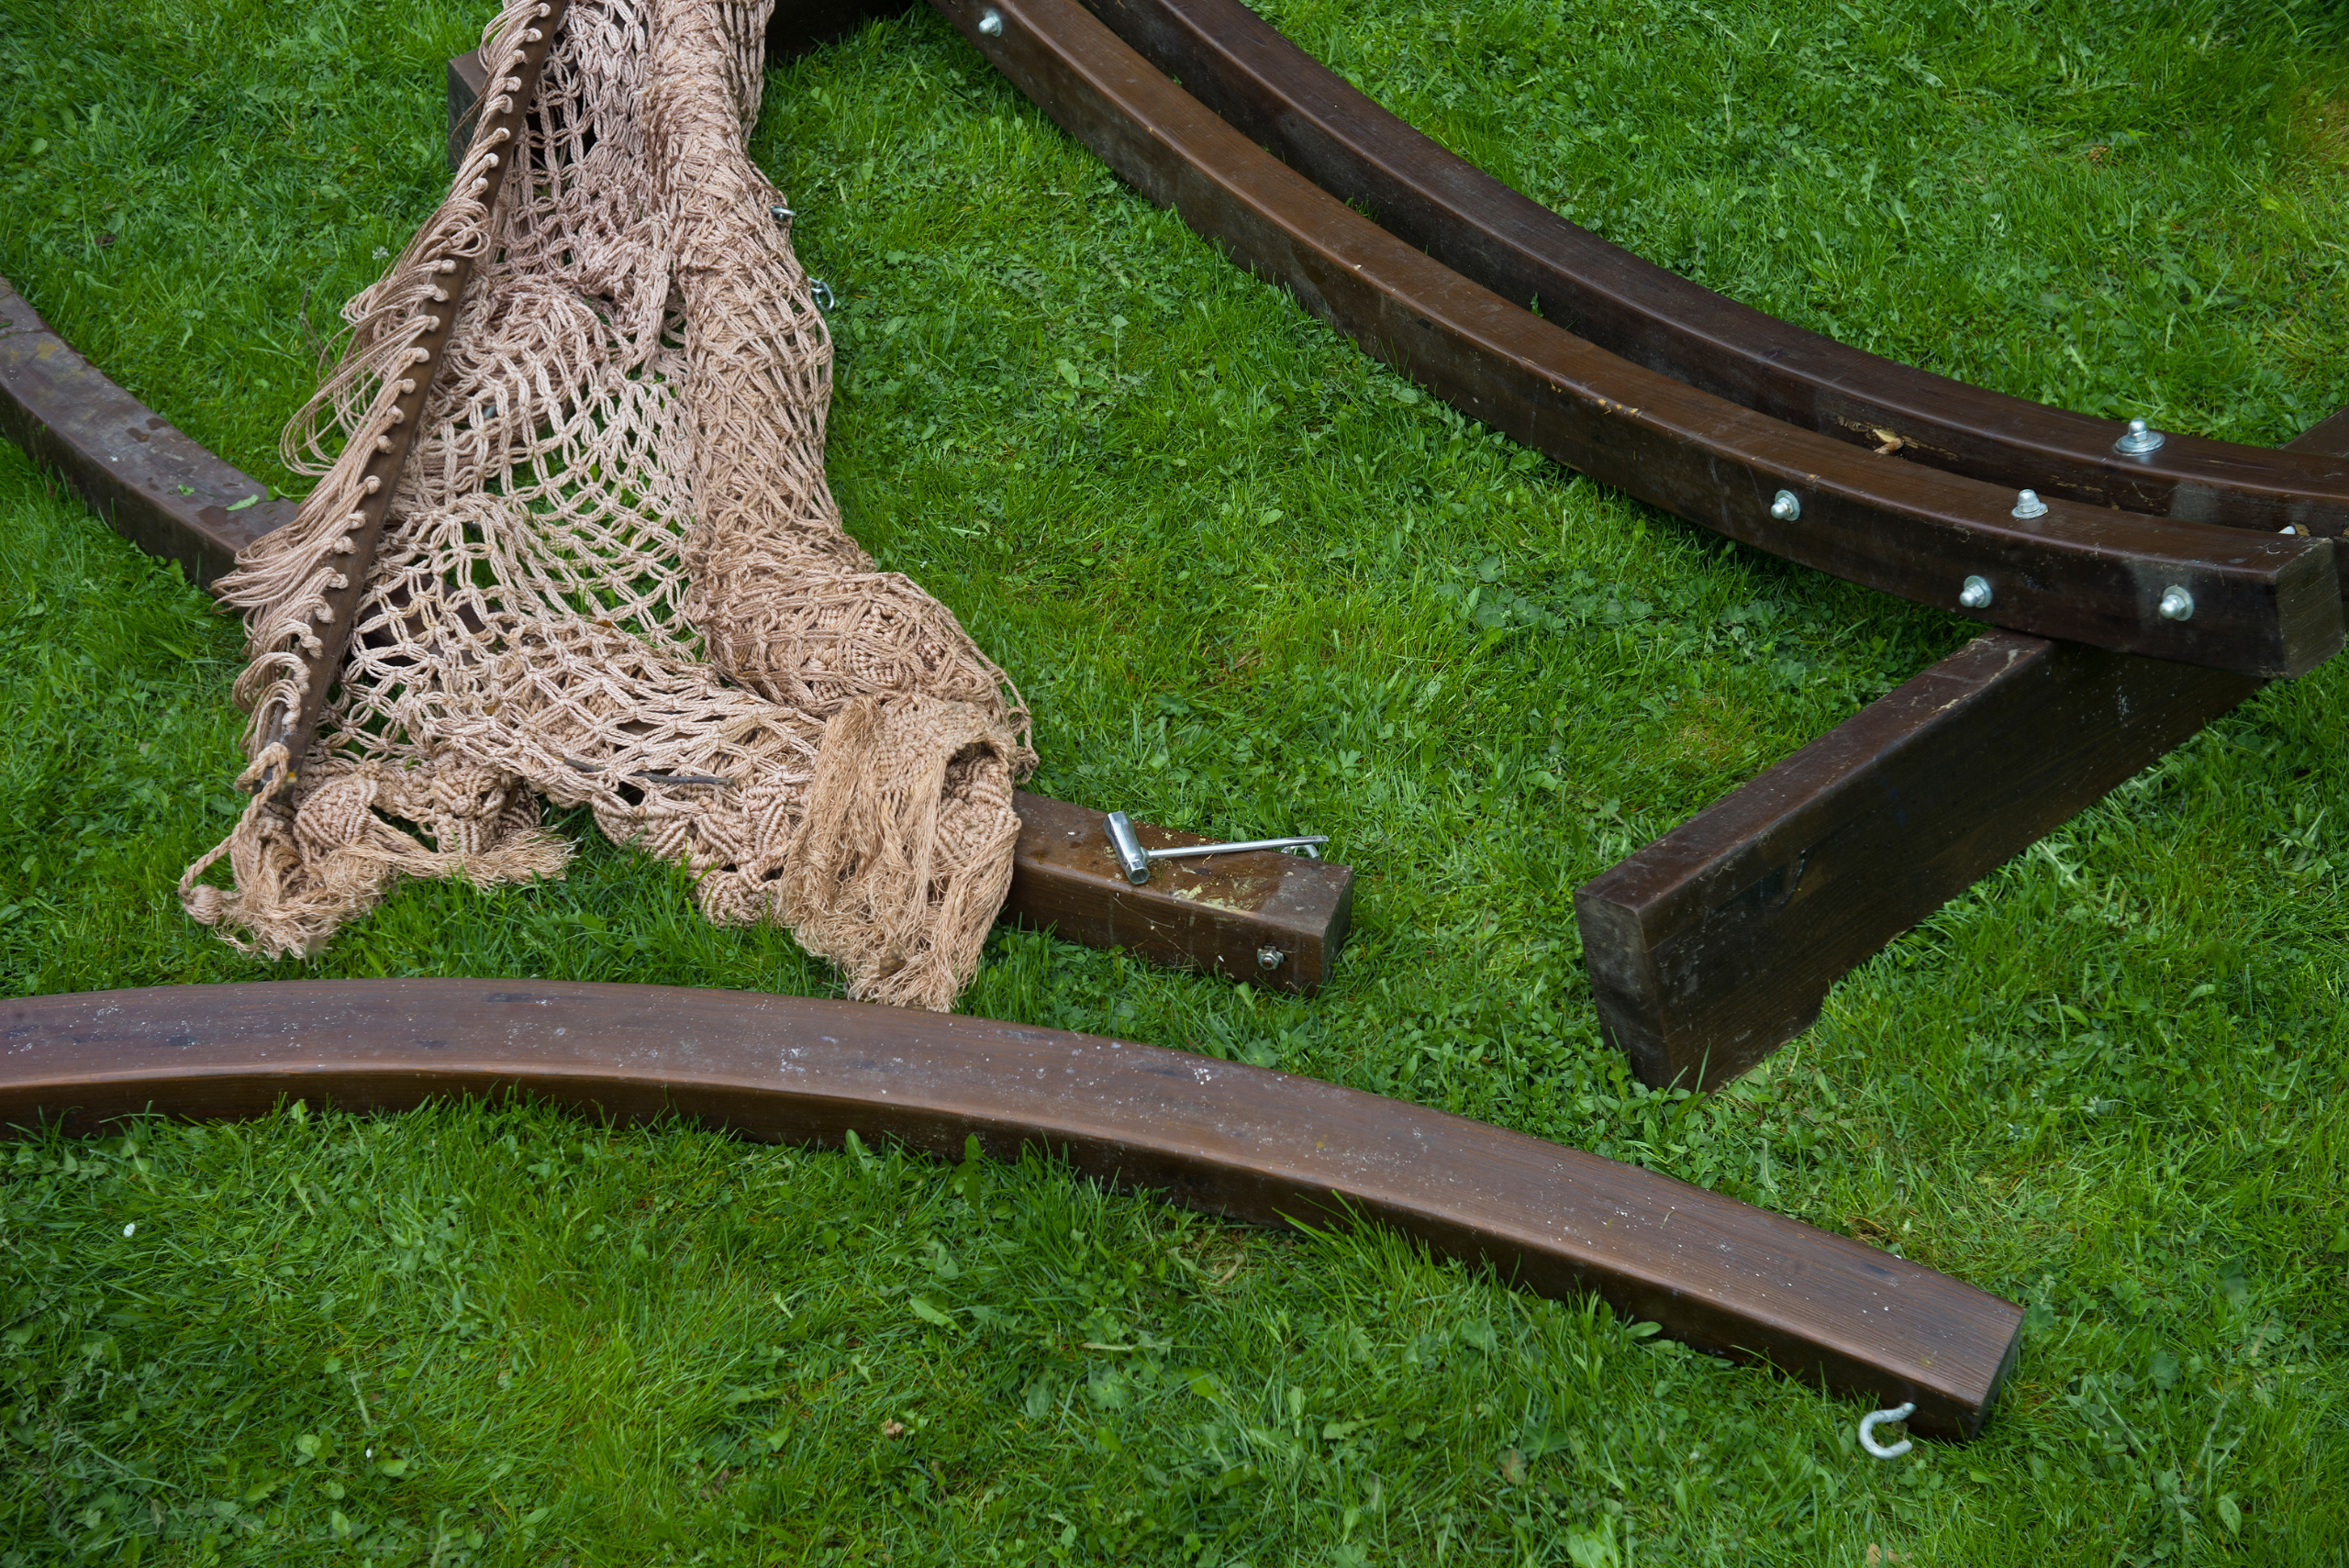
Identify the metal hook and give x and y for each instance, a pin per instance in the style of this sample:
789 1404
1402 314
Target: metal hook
821 292
1869 1422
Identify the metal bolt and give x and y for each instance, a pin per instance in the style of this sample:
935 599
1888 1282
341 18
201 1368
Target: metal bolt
2138 440
1975 594
2176 604
1270 957
991 24
1787 507
2029 504
1133 859
781 212
1125 846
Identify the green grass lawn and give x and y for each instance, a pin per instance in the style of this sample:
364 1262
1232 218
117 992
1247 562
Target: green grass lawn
1250 584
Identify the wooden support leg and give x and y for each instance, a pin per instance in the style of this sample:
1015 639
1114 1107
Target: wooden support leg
1716 944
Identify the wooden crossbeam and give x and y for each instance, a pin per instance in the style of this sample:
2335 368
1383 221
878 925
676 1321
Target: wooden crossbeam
1716 944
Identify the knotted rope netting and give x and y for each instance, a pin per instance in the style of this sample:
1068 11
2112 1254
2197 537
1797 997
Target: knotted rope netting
613 574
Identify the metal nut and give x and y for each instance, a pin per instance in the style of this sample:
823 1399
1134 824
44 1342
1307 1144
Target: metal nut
2029 504
991 24
1787 507
1270 957
2176 604
1976 594
2138 440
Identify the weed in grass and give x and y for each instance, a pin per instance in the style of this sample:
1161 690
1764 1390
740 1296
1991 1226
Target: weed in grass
1250 582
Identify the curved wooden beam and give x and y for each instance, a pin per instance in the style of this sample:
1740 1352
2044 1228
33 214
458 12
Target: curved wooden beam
2261 604
151 483
1220 1136
2078 572
1278 96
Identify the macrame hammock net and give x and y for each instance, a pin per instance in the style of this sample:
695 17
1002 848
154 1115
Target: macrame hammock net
612 574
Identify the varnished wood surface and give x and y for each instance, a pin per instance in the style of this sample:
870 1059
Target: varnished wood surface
1274 920
167 495
1234 1139
1716 944
2265 604
1306 114
1713 946
2329 436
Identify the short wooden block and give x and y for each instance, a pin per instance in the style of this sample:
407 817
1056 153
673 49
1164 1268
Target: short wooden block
1275 920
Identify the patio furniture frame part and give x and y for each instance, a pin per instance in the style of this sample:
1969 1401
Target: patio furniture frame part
1223 1137
1666 968
2080 572
1717 944
2263 603
1313 119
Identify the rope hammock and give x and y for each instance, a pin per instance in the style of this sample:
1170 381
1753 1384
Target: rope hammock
612 574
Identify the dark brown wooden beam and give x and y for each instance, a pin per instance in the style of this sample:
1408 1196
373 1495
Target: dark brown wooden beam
1274 920
1234 1139
1716 944
158 489
2329 436
1314 119
2085 573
